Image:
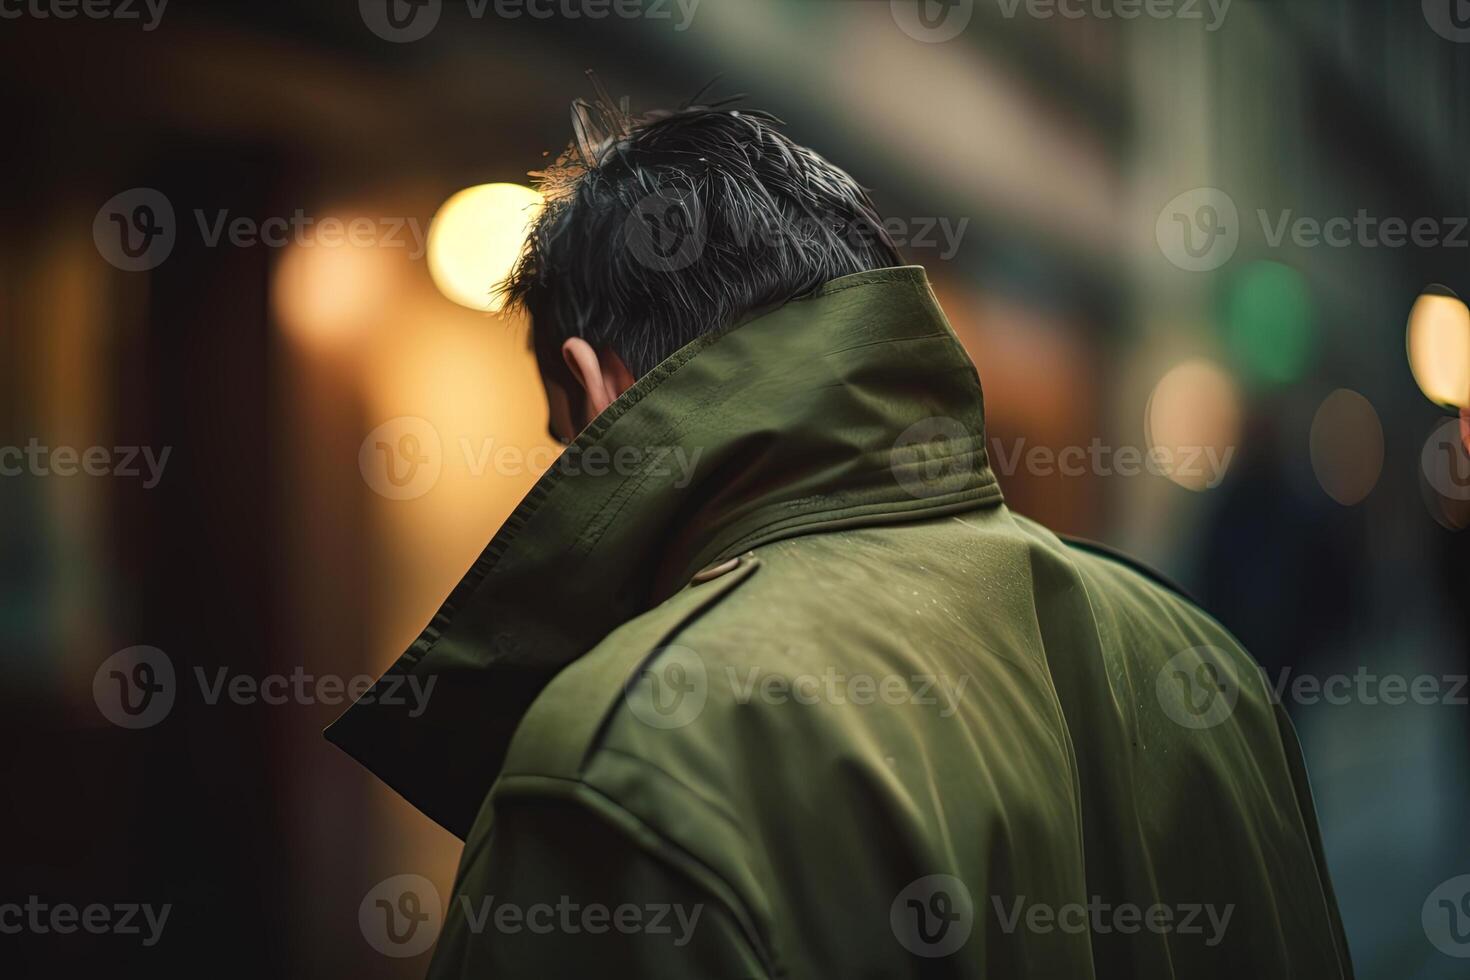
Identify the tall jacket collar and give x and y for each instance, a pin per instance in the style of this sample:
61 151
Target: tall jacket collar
853 406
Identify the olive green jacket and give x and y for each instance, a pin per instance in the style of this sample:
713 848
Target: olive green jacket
778 687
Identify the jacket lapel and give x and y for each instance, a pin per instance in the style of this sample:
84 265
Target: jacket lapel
854 406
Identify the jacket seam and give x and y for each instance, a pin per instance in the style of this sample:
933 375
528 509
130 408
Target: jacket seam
735 906
610 712
970 498
887 341
709 804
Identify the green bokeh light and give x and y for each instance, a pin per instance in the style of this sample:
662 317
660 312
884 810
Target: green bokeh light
1268 322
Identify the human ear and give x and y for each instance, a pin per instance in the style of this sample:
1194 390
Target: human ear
602 375
615 373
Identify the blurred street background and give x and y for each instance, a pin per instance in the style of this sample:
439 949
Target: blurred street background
239 238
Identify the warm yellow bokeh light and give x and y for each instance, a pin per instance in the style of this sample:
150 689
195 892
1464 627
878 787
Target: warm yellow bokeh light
1439 349
325 295
1192 423
475 239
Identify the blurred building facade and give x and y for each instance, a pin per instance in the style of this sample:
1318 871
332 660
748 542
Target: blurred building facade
1100 201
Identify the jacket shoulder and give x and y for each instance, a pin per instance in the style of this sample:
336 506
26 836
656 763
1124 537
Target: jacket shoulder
1128 561
558 752
563 724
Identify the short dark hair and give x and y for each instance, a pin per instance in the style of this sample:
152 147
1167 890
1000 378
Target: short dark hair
659 229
